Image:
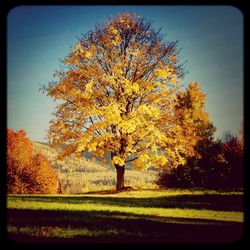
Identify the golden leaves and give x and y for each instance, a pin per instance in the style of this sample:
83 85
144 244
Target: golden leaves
117 160
88 54
149 110
113 30
67 60
167 73
117 100
92 147
89 87
173 58
111 113
160 160
80 148
128 126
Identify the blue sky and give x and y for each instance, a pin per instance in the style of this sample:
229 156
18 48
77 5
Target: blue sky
211 38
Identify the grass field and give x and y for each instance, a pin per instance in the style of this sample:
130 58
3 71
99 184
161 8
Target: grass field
171 216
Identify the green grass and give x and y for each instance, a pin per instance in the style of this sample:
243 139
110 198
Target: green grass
135 216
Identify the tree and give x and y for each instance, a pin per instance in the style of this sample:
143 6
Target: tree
26 172
191 103
197 168
117 93
233 154
19 155
219 166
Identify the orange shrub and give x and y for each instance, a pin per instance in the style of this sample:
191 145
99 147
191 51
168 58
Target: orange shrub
27 173
45 178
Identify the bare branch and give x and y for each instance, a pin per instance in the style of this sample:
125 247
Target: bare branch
131 159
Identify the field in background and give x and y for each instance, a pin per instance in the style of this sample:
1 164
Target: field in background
83 175
135 216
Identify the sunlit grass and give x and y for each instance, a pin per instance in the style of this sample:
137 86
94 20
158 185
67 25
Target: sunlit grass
165 215
95 205
161 212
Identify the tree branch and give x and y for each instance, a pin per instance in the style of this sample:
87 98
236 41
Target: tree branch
94 125
132 159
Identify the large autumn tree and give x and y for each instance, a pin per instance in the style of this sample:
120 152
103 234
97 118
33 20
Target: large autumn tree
117 93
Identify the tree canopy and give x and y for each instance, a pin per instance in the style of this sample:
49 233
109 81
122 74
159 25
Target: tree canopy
119 91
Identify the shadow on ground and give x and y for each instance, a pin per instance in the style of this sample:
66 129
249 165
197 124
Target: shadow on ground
134 228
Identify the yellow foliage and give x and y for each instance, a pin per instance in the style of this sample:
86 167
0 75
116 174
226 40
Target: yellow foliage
117 160
88 55
115 99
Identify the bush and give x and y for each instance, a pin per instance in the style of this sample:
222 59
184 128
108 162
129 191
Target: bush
233 153
27 173
220 167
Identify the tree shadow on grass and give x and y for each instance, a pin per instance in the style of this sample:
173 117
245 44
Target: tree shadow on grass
106 226
229 202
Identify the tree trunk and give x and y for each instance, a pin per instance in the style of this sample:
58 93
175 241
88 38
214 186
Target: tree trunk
120 177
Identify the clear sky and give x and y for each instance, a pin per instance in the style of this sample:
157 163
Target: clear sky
211 38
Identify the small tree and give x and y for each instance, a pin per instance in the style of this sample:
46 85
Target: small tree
118 92
191 104
19 155
27 173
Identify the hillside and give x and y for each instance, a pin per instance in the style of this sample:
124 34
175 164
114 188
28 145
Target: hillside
87 174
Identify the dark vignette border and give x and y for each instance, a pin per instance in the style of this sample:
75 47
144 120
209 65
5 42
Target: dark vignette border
6 6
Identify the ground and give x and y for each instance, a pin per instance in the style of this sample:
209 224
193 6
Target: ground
169 216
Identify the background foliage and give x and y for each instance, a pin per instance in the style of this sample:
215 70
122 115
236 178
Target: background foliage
84 174
220 166
27 172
